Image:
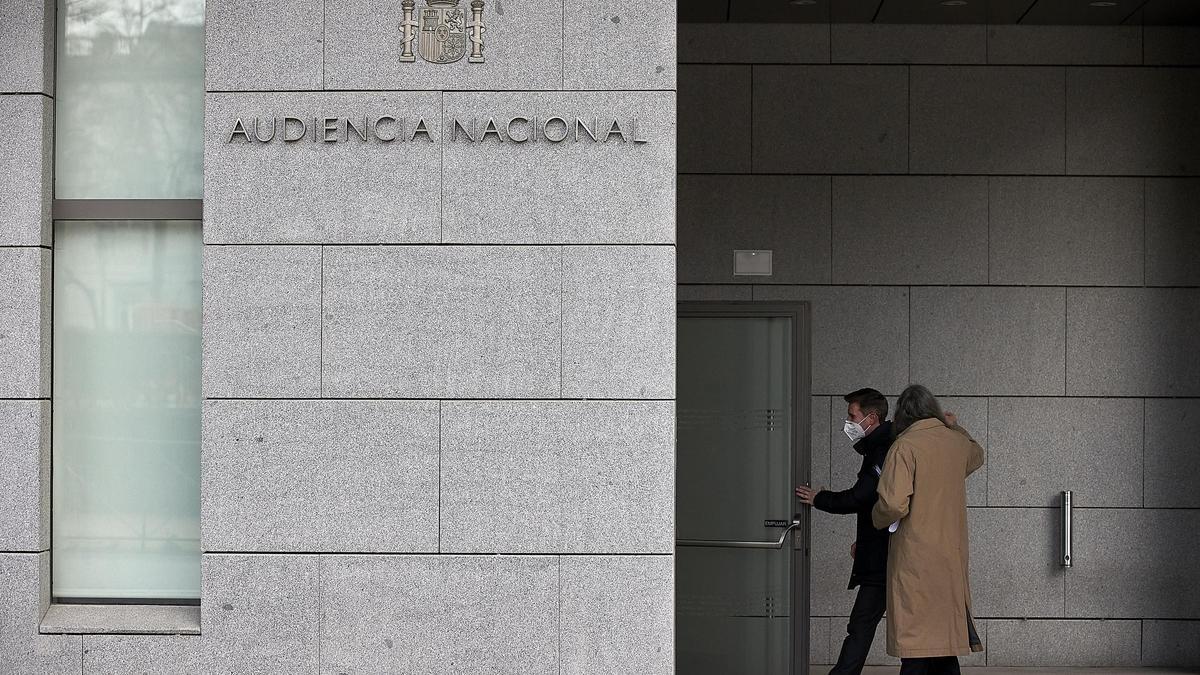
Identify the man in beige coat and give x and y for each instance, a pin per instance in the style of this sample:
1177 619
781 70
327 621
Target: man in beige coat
923 495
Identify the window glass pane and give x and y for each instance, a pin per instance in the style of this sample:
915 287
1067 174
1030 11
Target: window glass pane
129 103
127 300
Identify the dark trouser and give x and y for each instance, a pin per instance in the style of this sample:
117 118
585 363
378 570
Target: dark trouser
937 665
860 631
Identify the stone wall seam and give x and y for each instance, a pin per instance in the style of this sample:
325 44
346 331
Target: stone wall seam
558 616
442 170
320 609
441 452
751 118
987 45
321 338
561 320
989 229
832 226
1066 121
324 40
987 444
1145 231
1142 628
1065 313
562 84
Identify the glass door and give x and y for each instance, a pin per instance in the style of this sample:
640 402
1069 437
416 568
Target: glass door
741 549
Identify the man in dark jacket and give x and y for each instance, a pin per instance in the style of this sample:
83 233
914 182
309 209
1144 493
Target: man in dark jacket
871 434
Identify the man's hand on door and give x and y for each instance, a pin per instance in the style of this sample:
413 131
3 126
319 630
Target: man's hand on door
807 494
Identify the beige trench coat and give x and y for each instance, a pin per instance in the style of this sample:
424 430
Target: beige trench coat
923 485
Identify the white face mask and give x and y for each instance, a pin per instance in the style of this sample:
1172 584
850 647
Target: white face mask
853 431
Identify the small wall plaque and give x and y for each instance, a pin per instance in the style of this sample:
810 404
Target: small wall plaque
752 263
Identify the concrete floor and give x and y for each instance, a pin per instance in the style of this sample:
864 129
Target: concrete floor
1000 670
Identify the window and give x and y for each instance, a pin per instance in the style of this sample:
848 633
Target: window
129 112
126 409
129 107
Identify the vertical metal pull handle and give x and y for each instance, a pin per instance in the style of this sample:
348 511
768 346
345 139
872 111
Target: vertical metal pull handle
1066 528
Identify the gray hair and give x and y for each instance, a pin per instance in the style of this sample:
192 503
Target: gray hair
916 403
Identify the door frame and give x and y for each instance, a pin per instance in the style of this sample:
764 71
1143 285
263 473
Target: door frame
801 562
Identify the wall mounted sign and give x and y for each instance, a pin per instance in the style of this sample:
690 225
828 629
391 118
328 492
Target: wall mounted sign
441 32
393 128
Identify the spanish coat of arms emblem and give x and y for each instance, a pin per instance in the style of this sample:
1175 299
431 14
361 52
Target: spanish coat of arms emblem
441 31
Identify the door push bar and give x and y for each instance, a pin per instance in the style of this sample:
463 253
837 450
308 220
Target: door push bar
1066 529
716 543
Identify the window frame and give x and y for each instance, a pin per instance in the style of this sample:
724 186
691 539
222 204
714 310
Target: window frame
65 210
127 209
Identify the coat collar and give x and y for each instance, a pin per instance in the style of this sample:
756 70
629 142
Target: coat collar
927 423
880 438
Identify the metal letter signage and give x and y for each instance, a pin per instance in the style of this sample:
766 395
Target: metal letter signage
361 129
441 31
340 129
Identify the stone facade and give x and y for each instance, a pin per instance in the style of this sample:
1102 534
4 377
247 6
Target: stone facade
438 429
1006 214
438 433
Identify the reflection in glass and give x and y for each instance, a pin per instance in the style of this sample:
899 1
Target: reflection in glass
129 105
127 302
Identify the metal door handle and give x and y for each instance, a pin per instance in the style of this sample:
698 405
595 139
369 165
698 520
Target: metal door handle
1066 529
718 543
